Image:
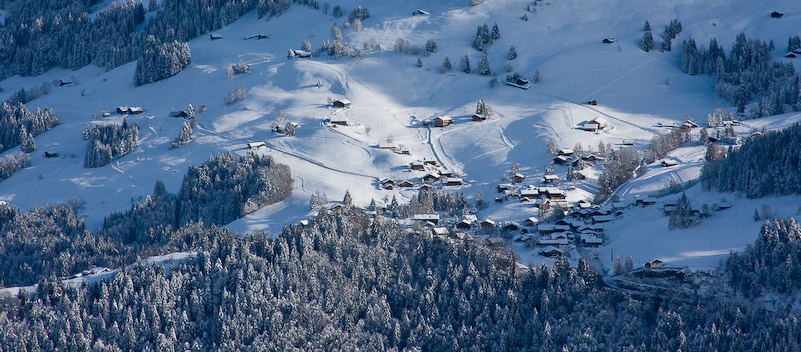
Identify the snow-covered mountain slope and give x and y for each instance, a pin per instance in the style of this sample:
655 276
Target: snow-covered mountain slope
392 96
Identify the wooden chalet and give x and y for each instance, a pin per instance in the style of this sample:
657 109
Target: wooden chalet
520 82
566 152
420 12
512 226
215 37
654 264
479 117
593 102
589 157
341 103
608 40
599 219
442 121
595 124
463 225
517 178
302 54
418 166
556 194
776 14
431 162
430 177
426 187
487 224
531 194
550 178
433 218
404 150
440 231
256 145
122 110
531 222
341 120
592 241
388 183
552 252
504 187
669 163
560 160
388 146
406 184
454 181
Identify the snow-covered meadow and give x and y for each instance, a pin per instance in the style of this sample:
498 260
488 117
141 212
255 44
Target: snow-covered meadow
391 97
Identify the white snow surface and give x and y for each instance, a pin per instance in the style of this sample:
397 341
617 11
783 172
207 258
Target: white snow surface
391 96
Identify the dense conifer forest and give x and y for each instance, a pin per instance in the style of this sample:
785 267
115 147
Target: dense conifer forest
767 164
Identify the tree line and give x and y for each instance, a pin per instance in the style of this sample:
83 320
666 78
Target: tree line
766 164
351 280
746 74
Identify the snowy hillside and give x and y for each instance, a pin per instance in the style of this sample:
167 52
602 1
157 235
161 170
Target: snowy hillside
636 92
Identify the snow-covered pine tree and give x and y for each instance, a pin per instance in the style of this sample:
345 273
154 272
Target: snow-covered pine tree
484 66
794 42
512 53
496 33
465 64
446 64
431 46
647 41
27 143
338 11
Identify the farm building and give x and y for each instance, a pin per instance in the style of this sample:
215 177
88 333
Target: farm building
595 124
341 103
387 146
433 218
339 120
552 252
442 121
256 145
479 117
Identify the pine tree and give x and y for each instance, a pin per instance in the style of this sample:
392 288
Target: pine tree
431 46
347 200
446 64
646 27
629 263
496 33
537 78
465 64
484 66
551 147
419 62
618 268
338 11
512 53
27 144
647 41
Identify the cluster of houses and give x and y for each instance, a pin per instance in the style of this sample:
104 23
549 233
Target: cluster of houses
434 173
567 156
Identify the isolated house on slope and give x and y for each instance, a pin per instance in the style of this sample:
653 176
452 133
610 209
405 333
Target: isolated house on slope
341 103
